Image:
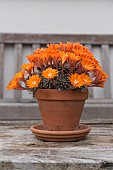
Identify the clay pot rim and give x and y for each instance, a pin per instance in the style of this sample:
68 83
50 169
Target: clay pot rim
54 94
86 89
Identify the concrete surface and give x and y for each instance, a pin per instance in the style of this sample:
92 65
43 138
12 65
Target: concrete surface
93 111
20 150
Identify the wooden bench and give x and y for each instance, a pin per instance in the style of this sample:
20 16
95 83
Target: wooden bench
19 105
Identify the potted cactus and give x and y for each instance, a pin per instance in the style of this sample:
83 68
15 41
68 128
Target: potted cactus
59 77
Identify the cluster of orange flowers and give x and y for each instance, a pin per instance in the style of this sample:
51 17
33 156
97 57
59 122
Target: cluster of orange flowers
59 66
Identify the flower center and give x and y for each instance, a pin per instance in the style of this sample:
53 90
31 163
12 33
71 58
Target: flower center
75 81
85 80
34 82
49 74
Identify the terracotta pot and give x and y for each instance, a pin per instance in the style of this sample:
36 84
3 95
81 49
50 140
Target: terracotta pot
61 110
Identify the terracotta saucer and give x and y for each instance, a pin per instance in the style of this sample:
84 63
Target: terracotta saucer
60 136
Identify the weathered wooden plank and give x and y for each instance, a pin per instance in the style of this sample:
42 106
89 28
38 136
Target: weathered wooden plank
91 92
89 46
54 38
19 149
35 46
18 55
1 69
105 65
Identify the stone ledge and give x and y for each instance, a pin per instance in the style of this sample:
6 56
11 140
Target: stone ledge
92 111
19 149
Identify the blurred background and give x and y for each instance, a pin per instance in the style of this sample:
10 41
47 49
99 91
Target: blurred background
56 16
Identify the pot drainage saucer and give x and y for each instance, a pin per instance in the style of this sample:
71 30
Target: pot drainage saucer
60 136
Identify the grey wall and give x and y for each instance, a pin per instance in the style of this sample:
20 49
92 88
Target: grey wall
56 16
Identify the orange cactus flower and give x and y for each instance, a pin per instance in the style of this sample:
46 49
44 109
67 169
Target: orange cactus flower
63 56
14 84
69 46
49 73
33 81
28 67
53 46
87 80
73 57
32 58
44 56
76 80
51 51
95 61
38 51
62 46
87 64
104 75
19 75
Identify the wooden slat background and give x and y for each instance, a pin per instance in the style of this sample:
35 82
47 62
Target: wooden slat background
18 43
50 38
1 69
105 65
18 56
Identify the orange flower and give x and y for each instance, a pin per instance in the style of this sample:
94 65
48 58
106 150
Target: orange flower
19 75
63 56
87 64
96 63
73 57
62 46
33 81
87 80
104 75
53 46
76 80
69 46
38 51
14 84
32 58
44 56
49 73
28 67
